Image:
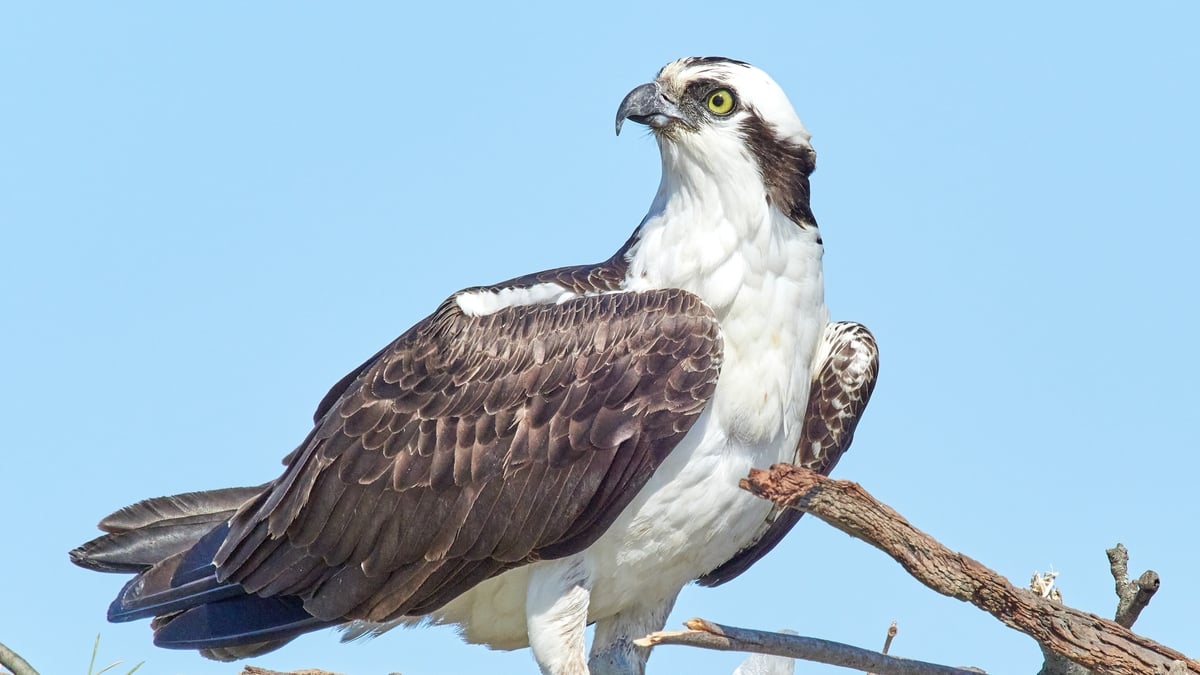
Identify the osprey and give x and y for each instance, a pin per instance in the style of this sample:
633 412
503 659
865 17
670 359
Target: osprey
556 450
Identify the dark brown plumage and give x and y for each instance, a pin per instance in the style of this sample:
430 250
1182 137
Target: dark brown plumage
786 168
470 445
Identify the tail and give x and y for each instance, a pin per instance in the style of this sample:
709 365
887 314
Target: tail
169 544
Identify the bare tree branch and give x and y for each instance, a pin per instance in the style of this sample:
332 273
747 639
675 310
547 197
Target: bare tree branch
709 635
13 661
257 670
1132 596
1098 644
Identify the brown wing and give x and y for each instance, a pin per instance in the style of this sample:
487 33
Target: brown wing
843 380
473 445
605 277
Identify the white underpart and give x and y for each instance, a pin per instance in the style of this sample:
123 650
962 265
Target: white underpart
711 231
553 606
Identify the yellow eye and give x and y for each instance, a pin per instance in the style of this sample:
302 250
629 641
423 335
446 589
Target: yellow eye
720 101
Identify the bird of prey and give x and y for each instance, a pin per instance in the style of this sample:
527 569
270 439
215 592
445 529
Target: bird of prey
553 451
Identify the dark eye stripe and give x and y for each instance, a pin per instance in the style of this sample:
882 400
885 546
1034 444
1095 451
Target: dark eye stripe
700 89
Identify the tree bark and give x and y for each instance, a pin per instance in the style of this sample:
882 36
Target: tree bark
1098 644
1132 596
257 670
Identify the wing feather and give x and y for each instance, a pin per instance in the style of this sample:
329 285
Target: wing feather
474 444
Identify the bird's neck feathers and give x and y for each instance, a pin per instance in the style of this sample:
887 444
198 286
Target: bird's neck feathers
785 161
722 210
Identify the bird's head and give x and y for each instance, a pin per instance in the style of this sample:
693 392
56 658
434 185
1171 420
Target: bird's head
726 118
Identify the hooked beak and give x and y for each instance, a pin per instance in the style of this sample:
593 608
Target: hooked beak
647 105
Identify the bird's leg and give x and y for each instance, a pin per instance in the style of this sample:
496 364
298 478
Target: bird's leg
613 651
556 607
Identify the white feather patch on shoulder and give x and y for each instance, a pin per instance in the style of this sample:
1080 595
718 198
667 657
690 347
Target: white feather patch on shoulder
489 301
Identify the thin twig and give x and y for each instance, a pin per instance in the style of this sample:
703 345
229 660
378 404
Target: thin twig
891 635
709 635
887 641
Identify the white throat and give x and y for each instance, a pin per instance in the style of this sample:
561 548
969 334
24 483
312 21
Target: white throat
711 231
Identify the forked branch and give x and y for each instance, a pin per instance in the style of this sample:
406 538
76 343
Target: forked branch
1098 644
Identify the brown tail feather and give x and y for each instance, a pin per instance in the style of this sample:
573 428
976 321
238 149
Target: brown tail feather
143 534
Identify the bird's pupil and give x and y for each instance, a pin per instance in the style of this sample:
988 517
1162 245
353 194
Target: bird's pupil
718 100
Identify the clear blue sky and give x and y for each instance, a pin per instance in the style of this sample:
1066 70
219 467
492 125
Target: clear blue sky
210 213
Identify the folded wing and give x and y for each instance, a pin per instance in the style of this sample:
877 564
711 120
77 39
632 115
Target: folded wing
844 376
471 445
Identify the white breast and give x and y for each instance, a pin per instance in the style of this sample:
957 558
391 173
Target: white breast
766 289
718 237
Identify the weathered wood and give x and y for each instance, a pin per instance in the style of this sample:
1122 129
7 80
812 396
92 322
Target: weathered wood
1098 644
1132 596
709 635
257 670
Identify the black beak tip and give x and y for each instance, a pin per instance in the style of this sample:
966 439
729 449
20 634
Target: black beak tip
639 105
